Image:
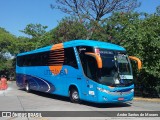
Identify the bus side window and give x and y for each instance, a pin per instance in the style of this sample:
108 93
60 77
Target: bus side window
25 61
69 57
44 59
90 68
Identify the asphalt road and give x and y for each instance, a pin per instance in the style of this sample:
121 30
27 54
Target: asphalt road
15 99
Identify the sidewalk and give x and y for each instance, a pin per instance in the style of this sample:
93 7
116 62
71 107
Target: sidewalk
147 99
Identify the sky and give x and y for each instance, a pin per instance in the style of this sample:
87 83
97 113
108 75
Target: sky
16 14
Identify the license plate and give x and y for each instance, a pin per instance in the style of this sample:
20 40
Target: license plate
120 98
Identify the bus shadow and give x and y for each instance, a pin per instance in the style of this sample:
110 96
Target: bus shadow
66 99
106 105
51 96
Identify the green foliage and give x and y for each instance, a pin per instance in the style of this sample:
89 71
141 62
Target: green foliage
158 10
151 45
35 30
7 46
7 41
25 44
140 35
69 29
37 37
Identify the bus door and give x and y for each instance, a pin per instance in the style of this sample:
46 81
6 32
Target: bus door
90 69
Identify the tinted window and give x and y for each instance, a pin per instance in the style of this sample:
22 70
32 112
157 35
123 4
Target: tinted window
90 68
50 58
38 59
89 63
70 58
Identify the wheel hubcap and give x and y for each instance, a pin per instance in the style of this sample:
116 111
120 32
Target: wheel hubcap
75 95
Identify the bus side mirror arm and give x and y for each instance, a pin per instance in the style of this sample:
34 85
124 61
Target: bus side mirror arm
137 60
97 57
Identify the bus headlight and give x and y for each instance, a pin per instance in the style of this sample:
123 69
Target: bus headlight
132 90
102 90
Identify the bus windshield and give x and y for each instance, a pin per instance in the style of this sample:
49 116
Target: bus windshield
116 68
123 64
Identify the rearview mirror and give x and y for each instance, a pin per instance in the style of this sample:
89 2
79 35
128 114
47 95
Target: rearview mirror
97 57
137 60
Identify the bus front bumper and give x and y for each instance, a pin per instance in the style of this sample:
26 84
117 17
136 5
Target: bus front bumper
114 97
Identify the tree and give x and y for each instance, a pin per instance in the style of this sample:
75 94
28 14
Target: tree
25 44
35 30
158 10
69 29
6 40
94 9
140 35
7 45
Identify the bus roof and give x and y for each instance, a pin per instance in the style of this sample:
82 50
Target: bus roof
74 43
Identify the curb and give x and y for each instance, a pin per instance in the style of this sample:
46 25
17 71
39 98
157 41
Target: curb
147 99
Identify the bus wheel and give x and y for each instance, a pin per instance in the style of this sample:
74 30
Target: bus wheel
74 96
27 87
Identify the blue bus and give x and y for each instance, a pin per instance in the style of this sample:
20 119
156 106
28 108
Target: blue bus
87 70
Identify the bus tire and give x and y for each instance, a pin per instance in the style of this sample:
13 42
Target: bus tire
27 87
74 95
